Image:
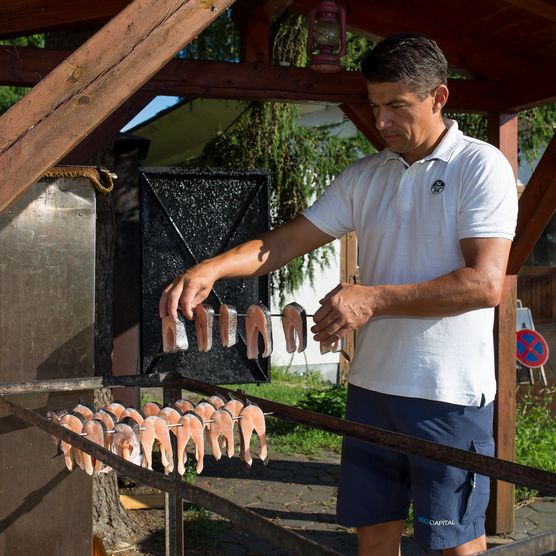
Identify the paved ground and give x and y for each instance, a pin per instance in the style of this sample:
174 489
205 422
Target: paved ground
299 493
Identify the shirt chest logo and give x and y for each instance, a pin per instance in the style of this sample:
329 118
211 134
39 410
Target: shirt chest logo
437 187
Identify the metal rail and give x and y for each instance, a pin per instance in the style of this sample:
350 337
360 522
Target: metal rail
242 517
495 468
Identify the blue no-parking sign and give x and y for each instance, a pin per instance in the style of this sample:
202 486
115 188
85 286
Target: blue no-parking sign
532 349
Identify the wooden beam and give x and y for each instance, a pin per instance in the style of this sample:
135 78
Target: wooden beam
536 207
25 17
387 17
108 129
528 92
543 9
500 512
187 78
94 81
502 133
363 118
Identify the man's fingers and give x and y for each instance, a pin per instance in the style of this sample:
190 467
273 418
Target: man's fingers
329 334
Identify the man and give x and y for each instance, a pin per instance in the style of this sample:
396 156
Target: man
434 214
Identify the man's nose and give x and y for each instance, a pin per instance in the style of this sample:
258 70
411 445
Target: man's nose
382 120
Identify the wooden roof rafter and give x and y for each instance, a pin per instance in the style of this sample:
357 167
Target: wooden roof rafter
387 17
93 82
252 81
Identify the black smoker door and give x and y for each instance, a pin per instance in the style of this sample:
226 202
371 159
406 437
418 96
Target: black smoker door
188 215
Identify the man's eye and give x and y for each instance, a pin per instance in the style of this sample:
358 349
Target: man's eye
398 105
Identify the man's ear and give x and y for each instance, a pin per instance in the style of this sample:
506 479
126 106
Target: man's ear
440 98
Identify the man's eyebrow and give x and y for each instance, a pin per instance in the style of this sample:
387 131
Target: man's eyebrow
393 101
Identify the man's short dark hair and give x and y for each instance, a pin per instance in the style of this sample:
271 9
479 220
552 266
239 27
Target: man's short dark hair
409 58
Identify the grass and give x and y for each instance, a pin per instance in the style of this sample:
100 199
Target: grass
308 391
536 436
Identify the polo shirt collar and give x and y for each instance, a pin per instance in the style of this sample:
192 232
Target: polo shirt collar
442 152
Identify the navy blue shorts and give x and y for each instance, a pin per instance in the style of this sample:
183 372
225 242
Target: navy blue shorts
377 485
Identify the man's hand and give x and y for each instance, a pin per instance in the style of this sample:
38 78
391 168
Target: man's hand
187 291
343 309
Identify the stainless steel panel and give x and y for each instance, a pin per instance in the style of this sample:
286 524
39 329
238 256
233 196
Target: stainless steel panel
47 269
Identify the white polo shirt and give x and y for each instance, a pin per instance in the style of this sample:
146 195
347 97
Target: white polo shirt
409 220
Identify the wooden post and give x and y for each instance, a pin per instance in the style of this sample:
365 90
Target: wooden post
502 132
348 273
173 503
91 83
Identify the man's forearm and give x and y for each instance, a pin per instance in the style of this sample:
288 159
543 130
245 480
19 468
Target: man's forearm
462 290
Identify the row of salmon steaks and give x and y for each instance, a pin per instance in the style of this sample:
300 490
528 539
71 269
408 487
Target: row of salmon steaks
258 320
132 434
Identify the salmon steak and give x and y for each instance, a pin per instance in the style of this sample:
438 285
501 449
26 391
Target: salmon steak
74 422
222 425
174 335
84 410
251 419
136 415
116 408
204 320
204 410
258 320
155 429
217 401
184 405
151 409
294 323
126 441
109 421
96 432
234 407
227 325
191 428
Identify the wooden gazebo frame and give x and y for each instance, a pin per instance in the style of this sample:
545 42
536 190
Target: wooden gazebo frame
506 49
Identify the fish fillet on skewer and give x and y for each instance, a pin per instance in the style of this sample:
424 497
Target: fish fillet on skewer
184 405
227 325
204 320
191 427
84 410
110 422
174 335
155 428
171 415
294 323
96 432
116 408
234 407
126 441
252 419
73 422
134 414
151 409
222 425
204 410
217 401
258 320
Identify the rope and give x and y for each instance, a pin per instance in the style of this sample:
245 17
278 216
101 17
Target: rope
97 175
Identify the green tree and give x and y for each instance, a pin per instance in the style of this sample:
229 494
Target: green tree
10 95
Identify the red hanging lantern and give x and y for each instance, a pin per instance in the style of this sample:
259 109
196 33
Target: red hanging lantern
326 42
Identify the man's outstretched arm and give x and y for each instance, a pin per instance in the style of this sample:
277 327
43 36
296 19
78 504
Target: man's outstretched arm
259 256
